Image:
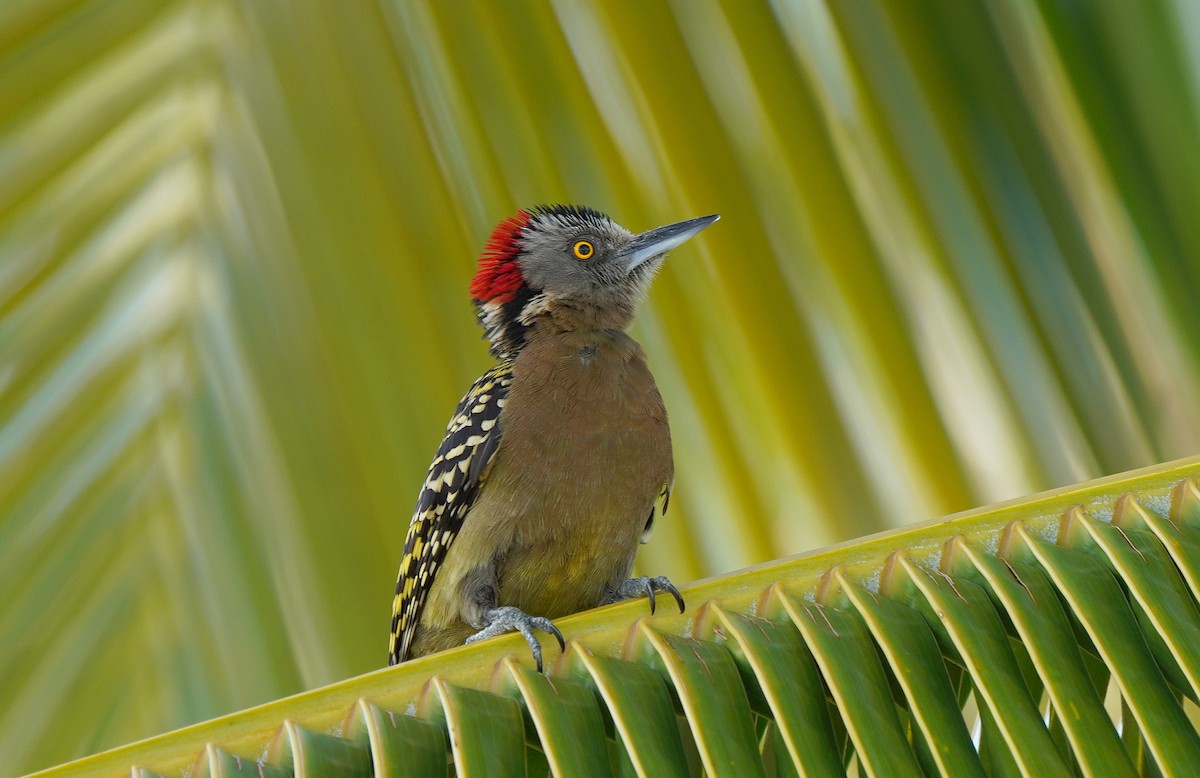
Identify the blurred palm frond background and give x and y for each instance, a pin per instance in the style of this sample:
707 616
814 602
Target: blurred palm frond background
957 263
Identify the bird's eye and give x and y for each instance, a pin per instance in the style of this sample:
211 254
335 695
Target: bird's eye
583 249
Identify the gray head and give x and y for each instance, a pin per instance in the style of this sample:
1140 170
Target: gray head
567 263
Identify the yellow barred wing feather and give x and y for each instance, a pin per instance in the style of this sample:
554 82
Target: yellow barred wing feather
458 469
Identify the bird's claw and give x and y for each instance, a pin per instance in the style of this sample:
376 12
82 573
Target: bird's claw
646 586
508 619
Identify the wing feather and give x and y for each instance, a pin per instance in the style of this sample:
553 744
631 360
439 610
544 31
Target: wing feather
458 468
659 508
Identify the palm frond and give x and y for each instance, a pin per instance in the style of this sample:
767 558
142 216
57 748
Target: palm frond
1047 636
954 266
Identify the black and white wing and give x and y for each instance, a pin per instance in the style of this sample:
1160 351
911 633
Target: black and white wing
460 466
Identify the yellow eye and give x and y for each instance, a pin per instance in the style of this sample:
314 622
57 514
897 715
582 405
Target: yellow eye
583 249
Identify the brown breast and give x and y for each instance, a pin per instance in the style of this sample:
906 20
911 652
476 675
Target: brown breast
584 453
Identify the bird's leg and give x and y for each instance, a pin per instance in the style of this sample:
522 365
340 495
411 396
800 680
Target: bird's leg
644 586
506 618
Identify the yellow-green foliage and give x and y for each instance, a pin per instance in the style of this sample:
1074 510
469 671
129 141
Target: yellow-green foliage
956 263
1051 636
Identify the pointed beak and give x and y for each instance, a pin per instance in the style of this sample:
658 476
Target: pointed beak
652 244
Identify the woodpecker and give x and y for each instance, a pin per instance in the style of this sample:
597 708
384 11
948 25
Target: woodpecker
558 458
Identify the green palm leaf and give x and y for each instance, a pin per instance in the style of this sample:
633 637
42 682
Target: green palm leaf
954 267
865 653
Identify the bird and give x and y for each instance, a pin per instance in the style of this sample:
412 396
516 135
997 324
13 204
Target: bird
558 458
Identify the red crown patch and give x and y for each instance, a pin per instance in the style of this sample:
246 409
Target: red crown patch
499 276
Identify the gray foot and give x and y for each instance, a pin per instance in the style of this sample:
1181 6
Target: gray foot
645 586
509 619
